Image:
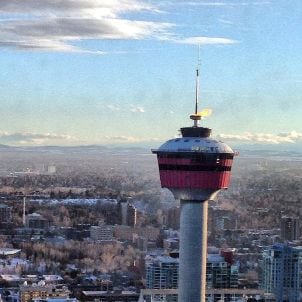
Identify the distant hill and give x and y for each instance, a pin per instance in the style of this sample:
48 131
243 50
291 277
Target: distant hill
4 146
266 151
86 149
270 152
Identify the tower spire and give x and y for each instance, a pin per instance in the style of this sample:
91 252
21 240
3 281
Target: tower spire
197 82
195 117
197 90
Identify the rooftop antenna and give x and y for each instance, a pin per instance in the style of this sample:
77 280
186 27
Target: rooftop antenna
196 117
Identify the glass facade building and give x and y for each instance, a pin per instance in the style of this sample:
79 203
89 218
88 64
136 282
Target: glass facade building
282 272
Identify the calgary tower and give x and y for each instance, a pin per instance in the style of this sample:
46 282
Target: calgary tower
194 168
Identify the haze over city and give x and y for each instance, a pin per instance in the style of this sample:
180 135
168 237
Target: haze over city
123 72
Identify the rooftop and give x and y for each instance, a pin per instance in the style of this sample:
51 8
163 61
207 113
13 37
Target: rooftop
105 293
3 206
8 251
215 258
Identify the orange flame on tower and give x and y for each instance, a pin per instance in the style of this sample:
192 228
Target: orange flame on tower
205 112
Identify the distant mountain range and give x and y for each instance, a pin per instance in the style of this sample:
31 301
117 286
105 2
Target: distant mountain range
73 149
249 150
4 146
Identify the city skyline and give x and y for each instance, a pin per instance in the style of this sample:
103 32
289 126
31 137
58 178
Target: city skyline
123 72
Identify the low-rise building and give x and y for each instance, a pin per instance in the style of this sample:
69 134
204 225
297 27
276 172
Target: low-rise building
110 296
42 291
101 233
36 221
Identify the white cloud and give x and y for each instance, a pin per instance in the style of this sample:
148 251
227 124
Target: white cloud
99 8
263 138
200 3
24 138
224 21
222 3
54 25
113 107
122 138
132 108
45 45
206 41
129 139
137 109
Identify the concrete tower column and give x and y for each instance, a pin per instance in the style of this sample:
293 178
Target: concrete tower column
193 251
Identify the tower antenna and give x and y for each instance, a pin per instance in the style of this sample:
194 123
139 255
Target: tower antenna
195 117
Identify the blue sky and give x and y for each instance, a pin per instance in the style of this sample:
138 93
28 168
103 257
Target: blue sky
123 71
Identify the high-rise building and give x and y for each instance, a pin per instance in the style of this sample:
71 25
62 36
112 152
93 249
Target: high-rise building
132 213
123 206
162 273
217 295
290 228
282 272
5 213
128 213
221 273
194 168
221 219
173 215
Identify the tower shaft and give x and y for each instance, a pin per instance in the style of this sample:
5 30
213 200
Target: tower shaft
193 251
